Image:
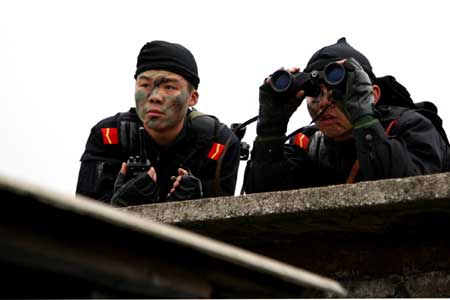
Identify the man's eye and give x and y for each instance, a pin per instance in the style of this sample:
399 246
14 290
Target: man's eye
315 100
170 87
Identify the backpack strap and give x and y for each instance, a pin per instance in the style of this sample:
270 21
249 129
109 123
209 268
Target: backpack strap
352 176
206 129
203 124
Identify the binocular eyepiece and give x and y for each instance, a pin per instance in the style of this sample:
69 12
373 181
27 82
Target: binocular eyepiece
284 82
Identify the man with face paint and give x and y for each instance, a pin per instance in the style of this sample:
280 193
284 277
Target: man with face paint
183 146
352 139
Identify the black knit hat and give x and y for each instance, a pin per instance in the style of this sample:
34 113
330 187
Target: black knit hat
336 52
161 55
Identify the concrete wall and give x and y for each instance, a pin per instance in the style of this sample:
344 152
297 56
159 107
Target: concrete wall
386 238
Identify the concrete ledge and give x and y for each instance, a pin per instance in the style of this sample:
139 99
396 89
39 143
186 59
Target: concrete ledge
56 246
386 238
363 207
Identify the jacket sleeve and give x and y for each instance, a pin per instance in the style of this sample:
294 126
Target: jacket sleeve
275 165
228 168
412 147
99 168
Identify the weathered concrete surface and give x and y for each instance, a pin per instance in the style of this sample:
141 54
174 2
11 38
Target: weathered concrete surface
385 238
55 246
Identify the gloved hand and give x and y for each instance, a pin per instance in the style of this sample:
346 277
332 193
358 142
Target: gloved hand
139 190
359 99
185 187
121 178
275 110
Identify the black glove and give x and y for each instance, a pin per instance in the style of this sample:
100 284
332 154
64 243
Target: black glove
120 181
358 101
139 190
190 187
275 109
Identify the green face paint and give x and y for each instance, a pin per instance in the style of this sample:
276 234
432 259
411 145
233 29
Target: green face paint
140 97
165 111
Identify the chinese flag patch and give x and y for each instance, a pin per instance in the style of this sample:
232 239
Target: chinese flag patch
301 140
216 151
110 136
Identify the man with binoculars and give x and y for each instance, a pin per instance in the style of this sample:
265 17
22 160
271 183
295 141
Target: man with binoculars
366 128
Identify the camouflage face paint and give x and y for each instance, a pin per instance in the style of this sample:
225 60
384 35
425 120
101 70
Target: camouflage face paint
161 99
173 112
172 109
140 97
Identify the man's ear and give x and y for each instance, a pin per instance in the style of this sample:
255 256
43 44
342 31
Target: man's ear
193 98
376 93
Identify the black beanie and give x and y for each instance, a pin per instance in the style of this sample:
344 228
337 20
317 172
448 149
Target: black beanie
161 55
336 52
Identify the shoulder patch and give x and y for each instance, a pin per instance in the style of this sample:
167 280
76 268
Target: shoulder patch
301 140
216 151
110 136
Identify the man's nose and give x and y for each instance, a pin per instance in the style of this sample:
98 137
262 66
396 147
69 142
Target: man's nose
155 96
325 98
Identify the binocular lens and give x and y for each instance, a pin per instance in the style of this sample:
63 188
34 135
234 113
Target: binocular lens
334 73
280 80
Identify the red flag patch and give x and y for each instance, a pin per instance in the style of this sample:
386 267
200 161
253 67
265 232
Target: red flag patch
216 151
110 136
301 140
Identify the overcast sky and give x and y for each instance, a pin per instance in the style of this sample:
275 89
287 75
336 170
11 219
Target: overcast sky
65 65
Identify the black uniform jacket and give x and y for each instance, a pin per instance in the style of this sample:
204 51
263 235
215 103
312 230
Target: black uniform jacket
197 149
402 143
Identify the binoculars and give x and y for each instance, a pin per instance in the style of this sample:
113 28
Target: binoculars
284 82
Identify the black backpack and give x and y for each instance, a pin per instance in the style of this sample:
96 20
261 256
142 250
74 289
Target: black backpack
395 94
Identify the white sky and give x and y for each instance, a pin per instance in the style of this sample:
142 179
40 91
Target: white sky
64 65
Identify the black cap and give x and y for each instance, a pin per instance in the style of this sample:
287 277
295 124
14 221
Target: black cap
161 55
335 52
